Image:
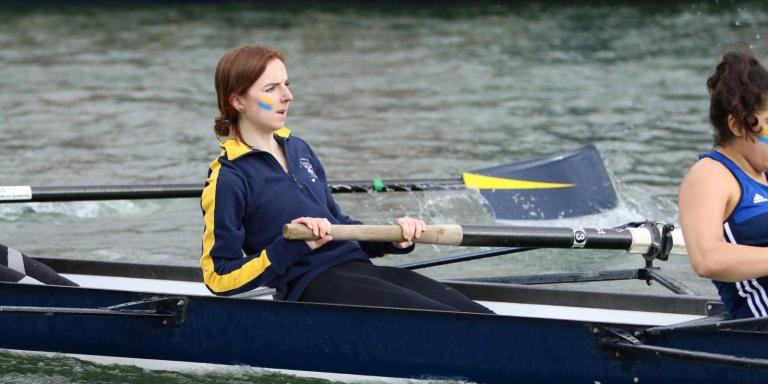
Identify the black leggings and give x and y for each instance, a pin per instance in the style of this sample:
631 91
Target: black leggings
16 267
361 283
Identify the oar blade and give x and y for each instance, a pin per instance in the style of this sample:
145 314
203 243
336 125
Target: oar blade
561 185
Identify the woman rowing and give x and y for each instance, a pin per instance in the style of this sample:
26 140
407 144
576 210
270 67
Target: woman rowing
264 178
724 197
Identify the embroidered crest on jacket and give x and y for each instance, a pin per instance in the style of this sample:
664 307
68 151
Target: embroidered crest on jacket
307 165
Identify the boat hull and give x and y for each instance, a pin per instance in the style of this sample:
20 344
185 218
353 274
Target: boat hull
363 340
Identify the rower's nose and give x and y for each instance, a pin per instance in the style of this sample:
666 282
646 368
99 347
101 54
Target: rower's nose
286 96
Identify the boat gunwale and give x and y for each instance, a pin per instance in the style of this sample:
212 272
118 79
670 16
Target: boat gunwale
499 292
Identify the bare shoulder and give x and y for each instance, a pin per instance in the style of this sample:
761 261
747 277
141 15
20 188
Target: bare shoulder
710 177
709 171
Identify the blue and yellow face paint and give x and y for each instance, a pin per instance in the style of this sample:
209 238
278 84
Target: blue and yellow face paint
763 138
762 118
266 103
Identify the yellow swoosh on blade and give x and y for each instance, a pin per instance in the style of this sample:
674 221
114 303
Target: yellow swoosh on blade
473 180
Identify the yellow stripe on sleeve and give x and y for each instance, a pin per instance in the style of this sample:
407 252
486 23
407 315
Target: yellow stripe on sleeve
239 277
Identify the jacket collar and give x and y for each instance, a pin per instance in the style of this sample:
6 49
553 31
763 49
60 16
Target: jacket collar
236 149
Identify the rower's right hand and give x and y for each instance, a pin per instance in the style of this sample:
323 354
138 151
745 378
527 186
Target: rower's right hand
319 226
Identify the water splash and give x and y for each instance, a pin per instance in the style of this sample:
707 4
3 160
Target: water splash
78 209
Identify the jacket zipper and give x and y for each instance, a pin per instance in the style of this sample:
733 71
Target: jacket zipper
274 161
296 181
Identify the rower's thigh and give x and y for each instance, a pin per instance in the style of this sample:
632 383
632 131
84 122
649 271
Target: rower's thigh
420 284
353 289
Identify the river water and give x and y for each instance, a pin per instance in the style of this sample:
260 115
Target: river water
122 94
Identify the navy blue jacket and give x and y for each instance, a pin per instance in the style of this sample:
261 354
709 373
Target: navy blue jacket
247 199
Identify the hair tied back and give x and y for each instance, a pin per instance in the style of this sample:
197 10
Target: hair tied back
221 126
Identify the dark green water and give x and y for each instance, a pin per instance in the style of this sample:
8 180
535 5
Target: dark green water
26 369
124 95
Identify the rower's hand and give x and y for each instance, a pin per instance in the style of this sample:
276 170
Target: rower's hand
412 230
319 226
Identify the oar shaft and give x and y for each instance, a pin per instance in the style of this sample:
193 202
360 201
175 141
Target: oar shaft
15 194
635 240
12 194
395 185
545 237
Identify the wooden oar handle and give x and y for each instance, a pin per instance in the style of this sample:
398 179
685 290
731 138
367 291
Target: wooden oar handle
434 234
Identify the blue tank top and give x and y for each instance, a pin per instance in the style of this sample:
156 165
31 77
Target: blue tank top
747 225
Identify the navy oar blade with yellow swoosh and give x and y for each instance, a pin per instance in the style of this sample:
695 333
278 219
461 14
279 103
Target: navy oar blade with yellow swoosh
561 185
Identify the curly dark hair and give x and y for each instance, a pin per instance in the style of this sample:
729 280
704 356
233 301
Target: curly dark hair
739 87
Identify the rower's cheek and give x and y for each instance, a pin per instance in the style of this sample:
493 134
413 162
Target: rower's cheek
762 145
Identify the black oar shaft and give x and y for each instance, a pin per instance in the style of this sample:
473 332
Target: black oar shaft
171 191
545 237
395 185
114 192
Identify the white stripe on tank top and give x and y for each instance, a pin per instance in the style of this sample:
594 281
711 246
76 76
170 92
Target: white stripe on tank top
756 297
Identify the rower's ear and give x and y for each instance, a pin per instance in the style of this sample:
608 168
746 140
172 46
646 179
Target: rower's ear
734 126
236 102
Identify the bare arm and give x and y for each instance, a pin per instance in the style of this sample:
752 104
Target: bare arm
708 194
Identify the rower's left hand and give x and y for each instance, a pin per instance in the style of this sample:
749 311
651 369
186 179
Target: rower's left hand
412 229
